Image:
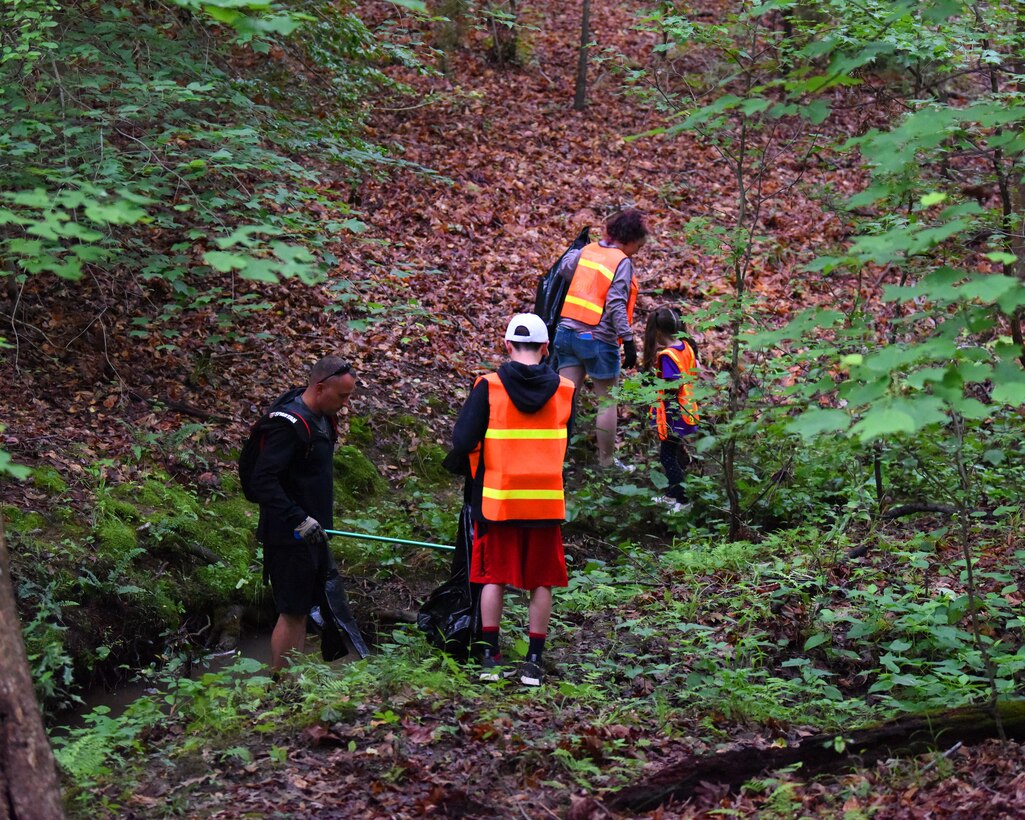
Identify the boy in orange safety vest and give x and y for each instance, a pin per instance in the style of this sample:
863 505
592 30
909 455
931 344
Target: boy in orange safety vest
511 436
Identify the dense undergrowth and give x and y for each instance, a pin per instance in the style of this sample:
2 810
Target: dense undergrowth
669 636
116 578
688 643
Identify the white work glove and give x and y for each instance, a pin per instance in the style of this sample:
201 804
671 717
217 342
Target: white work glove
311 532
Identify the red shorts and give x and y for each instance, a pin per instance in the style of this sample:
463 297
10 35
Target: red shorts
524 557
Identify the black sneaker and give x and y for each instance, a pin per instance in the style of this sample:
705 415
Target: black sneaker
494 668
530 673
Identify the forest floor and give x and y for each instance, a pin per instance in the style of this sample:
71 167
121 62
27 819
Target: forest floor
516 175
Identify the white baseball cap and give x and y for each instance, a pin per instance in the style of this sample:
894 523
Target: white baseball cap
526 327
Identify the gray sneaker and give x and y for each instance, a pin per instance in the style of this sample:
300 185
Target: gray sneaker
531 674
621 466
673 505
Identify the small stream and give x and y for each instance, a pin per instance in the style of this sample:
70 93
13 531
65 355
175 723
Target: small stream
255 646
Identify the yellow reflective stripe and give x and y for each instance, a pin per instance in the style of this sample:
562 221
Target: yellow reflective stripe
559 432
598 266
576 300
523 495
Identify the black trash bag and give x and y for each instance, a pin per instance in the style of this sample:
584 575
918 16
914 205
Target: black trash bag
551 293
450 617
339 624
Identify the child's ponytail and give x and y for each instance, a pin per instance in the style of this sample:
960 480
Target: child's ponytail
663 326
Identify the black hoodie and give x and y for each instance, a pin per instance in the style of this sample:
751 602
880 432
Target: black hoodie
530 386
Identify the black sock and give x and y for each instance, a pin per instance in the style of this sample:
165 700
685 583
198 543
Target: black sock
537 646
490 636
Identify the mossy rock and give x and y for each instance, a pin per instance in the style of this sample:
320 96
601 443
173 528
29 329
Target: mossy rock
355 474
404 423
115 538
360 433
49 480
22 521
108 506
154 494
219 584
166 602
427 463
235 511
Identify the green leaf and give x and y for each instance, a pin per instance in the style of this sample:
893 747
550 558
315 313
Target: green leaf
994 457
8 467
817 640
115 213
988 288
244 234
224 262
755 105
1009 382
353 225
935 198
1009 393
413 5
816 421
259 270
878 423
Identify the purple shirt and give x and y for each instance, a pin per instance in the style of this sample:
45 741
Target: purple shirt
670 372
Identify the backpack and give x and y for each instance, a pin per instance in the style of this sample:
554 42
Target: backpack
551 293
254 444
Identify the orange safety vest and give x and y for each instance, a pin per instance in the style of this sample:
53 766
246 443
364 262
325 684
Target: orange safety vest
585 299
687 363
523 455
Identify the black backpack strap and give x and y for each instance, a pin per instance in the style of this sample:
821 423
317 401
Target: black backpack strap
296 419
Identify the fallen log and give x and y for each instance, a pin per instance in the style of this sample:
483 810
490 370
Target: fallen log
819 754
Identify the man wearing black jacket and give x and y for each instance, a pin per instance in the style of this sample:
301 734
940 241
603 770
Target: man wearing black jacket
293 482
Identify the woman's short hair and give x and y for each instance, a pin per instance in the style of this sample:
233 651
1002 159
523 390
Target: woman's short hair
626 226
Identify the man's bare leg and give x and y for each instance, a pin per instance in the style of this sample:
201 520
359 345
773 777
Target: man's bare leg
289 635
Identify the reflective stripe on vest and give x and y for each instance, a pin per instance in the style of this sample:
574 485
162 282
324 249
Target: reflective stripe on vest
523 454
585 299
686 362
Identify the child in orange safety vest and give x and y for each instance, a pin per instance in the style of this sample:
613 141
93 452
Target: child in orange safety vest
511 438
672 357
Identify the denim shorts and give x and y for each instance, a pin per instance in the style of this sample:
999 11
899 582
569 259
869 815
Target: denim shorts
600 360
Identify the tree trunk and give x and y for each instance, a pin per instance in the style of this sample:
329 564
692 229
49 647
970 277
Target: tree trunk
580 98
909 735
504 24
28 775
448 29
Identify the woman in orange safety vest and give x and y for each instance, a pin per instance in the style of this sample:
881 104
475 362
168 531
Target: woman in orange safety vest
597 315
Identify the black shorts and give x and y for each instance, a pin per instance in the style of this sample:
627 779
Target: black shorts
297 574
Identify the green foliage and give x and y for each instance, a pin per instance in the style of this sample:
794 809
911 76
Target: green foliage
139 570
214 704
690 642
45 643
131 142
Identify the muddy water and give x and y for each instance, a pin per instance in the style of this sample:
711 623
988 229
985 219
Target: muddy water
255 646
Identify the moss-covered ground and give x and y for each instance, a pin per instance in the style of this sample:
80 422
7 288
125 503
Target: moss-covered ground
139 571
